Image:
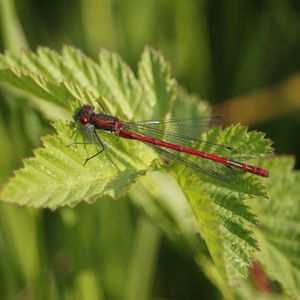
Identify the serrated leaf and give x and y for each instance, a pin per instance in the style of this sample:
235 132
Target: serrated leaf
56 162
160 88
121 85
189 106
56 176
34 84
225 226
225 221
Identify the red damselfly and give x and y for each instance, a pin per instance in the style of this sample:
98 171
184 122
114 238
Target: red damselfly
163 136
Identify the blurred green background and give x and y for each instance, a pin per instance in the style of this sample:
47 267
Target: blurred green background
237 54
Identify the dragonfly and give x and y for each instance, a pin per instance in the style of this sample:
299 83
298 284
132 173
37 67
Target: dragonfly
165 137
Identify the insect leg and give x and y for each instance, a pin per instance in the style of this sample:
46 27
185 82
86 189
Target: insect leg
99 142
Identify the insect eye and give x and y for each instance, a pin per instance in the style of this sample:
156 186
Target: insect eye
83 120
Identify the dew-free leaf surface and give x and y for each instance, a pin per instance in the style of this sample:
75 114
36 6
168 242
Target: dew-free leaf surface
55 175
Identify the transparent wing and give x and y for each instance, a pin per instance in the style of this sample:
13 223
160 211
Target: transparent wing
199 164
182 132
188 129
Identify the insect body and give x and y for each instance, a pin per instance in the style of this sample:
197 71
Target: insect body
150 133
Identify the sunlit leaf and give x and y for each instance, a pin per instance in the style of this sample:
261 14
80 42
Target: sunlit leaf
56 176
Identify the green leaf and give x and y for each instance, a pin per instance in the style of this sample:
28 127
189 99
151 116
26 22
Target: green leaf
62 165
225 223
218 208
160 88
32 83
279 230
55 176
224 220
121 85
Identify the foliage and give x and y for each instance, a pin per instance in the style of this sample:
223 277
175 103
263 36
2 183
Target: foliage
109 250
56 177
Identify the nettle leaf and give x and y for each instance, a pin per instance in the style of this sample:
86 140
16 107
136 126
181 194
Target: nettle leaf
55 176
216 209
225 221
34 84
279 230
155 76
112 176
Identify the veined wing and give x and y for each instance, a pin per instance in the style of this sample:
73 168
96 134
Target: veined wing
183 132
199 164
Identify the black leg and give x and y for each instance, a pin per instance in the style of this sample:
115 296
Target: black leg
101 145
93 156
98 138
90 133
